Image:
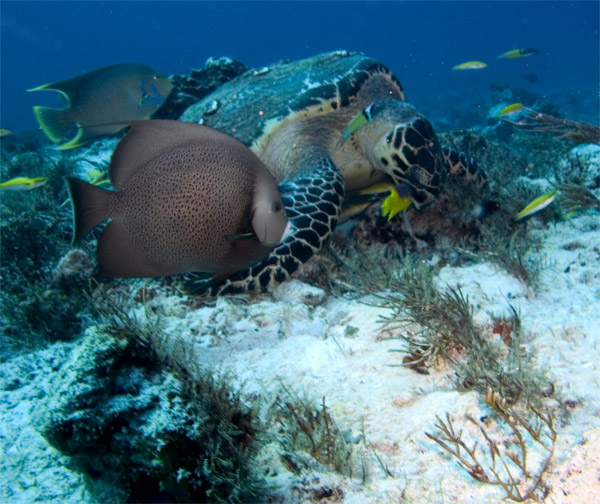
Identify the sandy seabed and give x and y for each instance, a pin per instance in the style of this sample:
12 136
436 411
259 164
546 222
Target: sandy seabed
336 348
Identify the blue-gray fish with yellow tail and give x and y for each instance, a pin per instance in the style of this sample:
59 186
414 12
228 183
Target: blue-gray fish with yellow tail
101 102
188 198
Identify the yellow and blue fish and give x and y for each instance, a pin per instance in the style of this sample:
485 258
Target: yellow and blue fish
518 53
538 204
360 119
470 65
5 132
511 109
23 183
398 201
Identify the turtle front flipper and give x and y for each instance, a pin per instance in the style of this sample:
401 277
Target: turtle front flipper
313 201
464 168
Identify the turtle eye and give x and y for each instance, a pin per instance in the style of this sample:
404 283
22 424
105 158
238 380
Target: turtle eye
276 207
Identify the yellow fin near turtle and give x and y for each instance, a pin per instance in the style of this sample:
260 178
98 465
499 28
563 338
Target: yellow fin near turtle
101 102
360 119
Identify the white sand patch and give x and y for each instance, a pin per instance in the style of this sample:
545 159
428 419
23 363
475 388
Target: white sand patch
333 348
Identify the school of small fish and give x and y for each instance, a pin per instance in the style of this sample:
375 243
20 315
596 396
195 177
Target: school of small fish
512 54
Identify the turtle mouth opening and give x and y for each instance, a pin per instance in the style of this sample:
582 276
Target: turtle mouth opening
411 153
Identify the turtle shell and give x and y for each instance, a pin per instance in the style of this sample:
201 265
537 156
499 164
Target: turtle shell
250 106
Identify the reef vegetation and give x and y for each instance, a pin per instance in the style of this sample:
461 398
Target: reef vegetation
138 411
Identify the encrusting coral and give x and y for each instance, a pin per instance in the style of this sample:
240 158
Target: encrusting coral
145 426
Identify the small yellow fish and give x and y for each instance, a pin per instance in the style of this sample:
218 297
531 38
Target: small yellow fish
4 132
511 109
470 65
352 211
538 204
360 119
97 177
23 183
518 53
398 201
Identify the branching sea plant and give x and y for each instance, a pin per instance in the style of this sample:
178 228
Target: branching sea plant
573 198
447 331
510 252
536 122
41 282
505 456
304 426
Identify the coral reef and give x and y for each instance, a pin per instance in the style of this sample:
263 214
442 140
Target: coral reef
39 303
188 89
581 166
146 428
132 404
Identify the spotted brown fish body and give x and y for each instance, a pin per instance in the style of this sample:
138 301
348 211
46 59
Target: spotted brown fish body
101 102
188 198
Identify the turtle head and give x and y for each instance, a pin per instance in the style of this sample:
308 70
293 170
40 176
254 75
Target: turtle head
401 142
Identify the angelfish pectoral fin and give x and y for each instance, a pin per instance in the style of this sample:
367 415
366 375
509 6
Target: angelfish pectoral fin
237 237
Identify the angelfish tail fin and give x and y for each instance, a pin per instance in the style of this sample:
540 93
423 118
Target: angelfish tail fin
54 122
90 206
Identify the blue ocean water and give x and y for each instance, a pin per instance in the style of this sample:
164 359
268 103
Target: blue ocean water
44 42
50 285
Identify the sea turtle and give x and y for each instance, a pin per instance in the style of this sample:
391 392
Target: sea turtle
293 116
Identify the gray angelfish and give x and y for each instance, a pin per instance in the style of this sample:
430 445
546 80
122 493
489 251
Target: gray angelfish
188 198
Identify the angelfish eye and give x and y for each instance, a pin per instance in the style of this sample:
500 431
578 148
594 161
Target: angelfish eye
276 207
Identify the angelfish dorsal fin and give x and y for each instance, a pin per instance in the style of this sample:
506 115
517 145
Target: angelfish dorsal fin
68 88
148 139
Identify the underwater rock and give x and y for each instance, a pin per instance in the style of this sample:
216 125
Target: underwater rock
30 469
511 94
582 166
296 292
141 433
73 268
189 89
